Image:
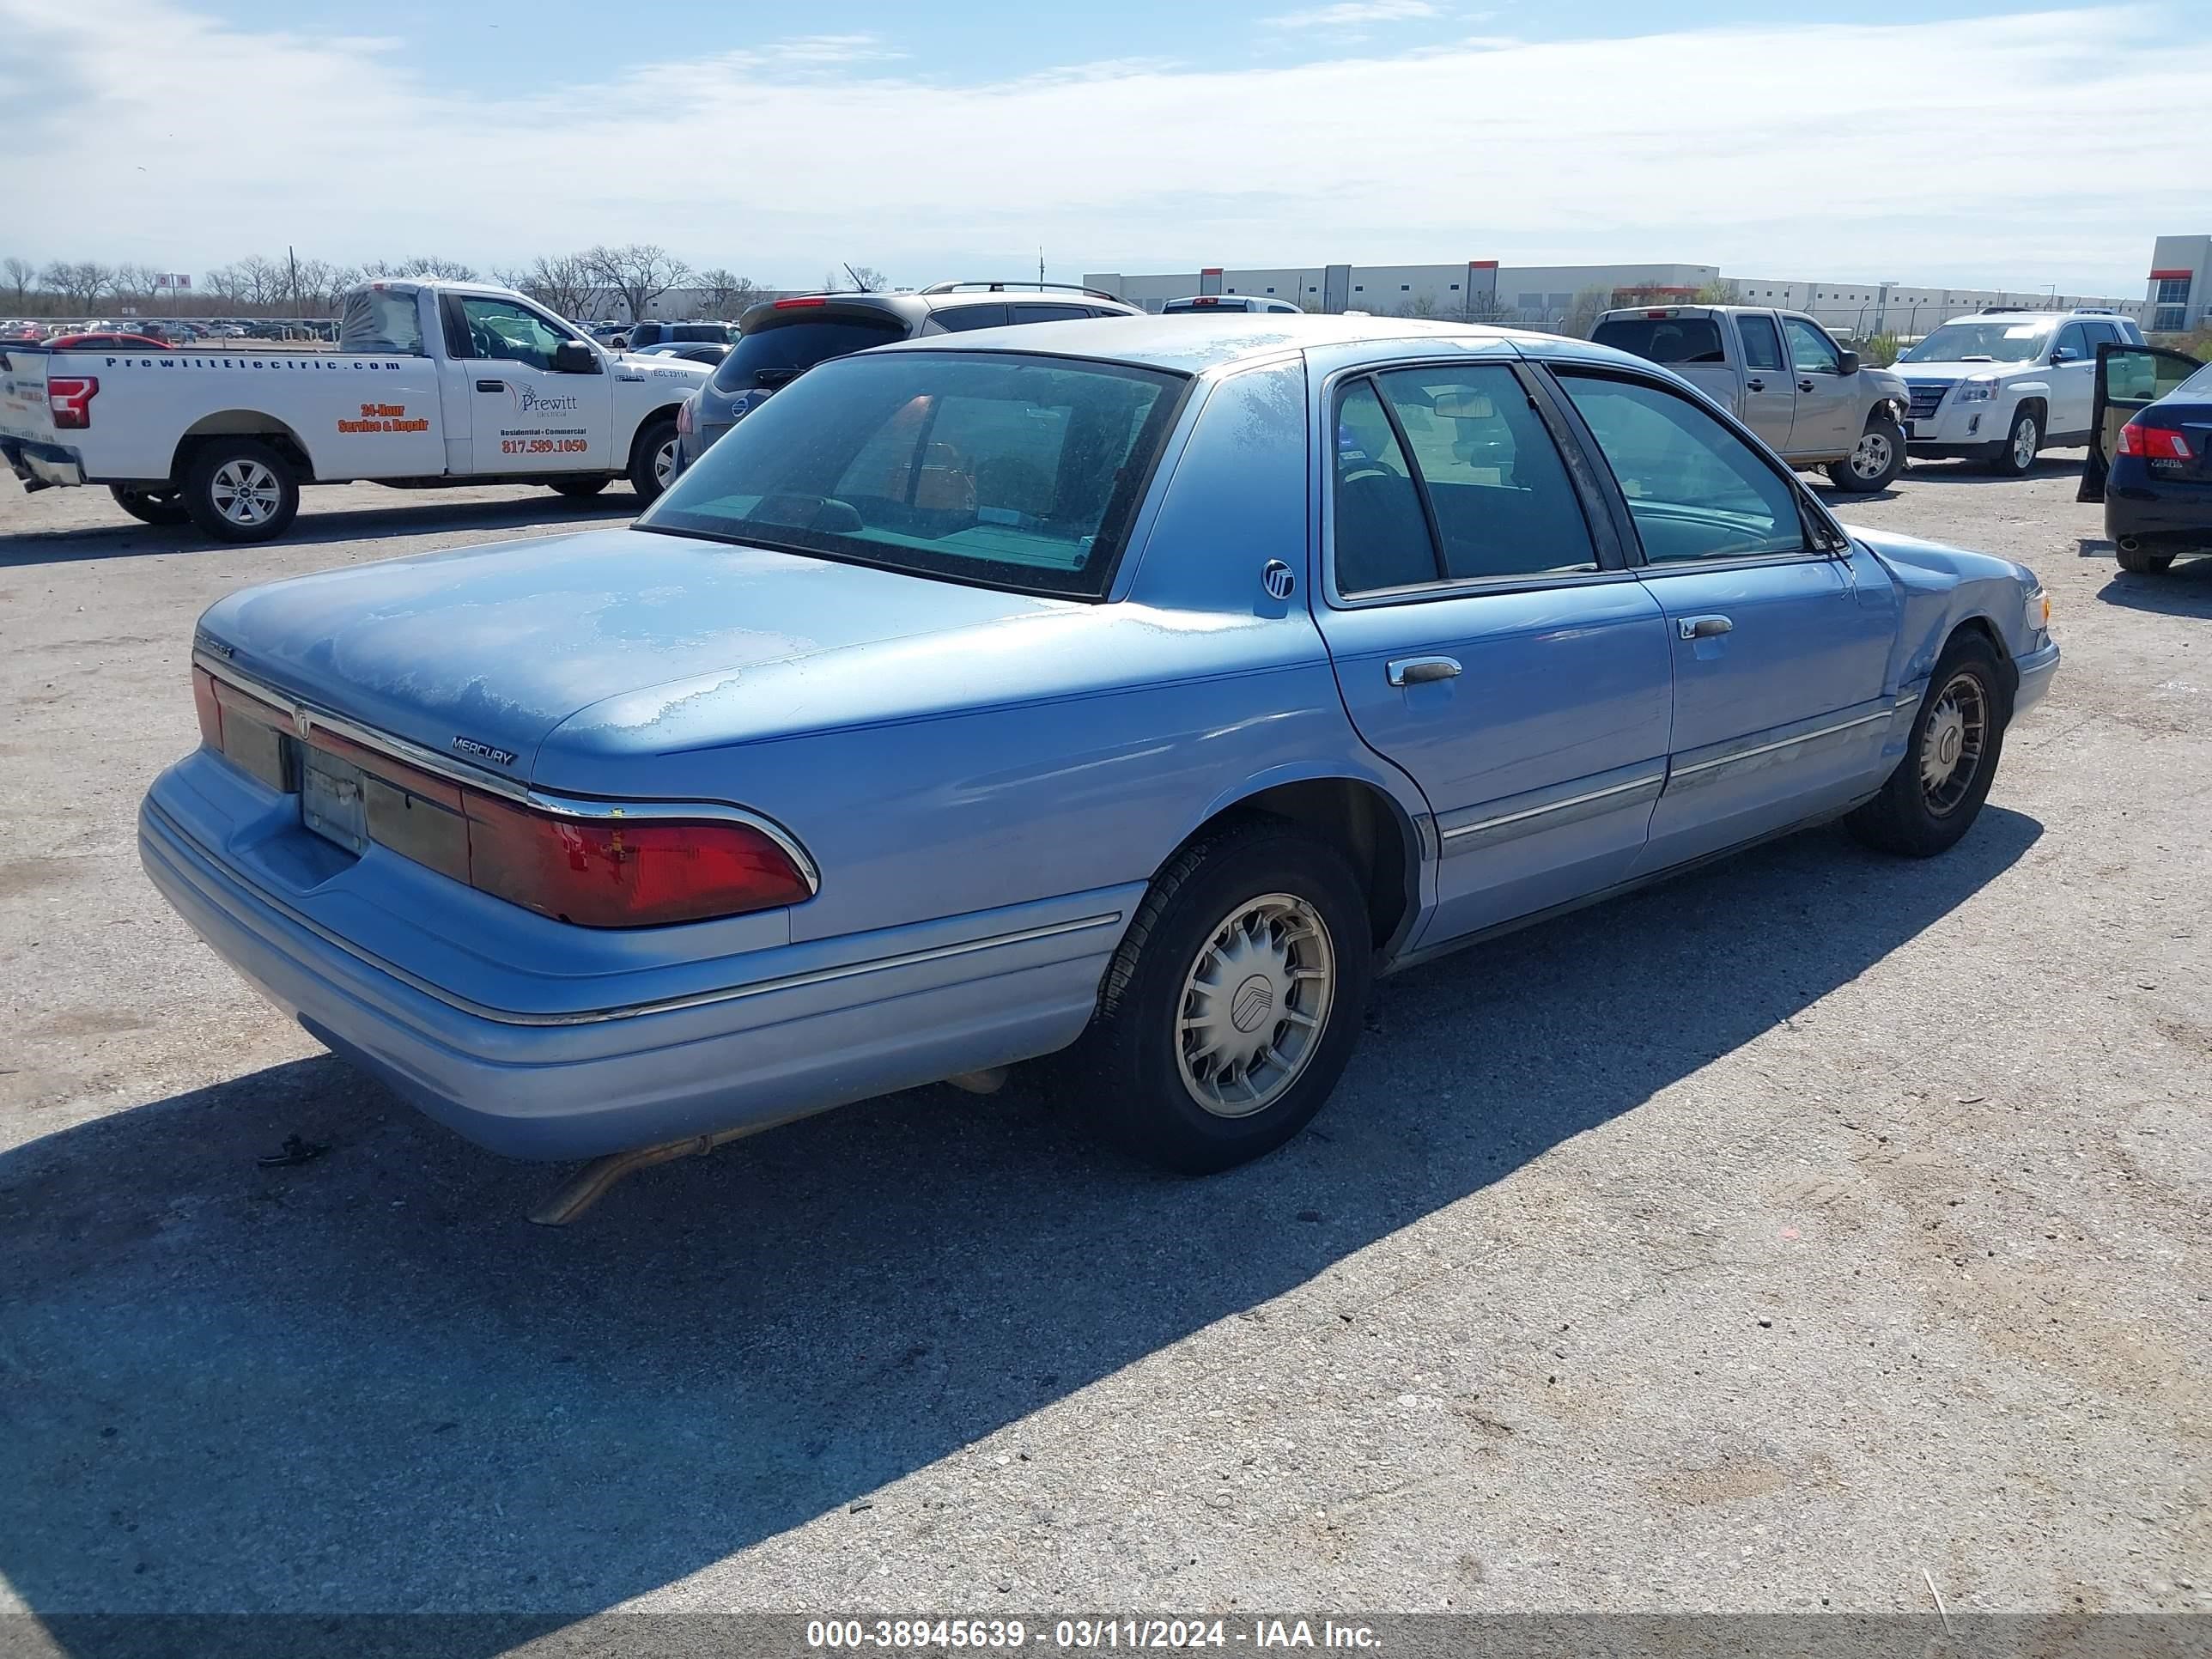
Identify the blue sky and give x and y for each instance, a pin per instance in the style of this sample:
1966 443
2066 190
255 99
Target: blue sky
1951 142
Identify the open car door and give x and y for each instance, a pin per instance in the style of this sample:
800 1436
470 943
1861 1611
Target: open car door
2130 380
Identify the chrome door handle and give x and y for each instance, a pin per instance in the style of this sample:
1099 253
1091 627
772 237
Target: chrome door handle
1704 628
1804 386
1418 670
491 385
1756 385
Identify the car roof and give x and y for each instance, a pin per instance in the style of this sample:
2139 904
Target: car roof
1190 346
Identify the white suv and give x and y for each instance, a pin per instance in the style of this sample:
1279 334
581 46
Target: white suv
2000 385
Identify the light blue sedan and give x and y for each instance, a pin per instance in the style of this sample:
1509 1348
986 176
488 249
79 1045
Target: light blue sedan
1144 685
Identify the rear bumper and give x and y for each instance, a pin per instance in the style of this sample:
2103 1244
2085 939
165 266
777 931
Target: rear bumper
40 466
2169 513
796 1029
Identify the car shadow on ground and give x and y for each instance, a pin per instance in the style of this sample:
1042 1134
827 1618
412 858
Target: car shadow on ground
1969 471
413 512
367 1384
2183 589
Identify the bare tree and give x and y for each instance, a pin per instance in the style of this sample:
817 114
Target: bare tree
81 282
726 293
867 278
639 272
1589 304
421 265
564 283
19 274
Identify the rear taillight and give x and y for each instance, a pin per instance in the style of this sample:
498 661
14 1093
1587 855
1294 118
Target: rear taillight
793 305
686 421
69 397
624 871
2154 443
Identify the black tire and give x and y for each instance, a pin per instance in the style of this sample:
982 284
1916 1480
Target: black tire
150 506
580 490
2140 560
1845 474
2005 460
212 492
652 438
1909 819
1130 1067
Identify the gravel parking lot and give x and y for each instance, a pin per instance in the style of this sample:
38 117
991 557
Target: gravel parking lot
1766 1241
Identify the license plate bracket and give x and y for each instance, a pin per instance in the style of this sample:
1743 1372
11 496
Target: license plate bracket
333 802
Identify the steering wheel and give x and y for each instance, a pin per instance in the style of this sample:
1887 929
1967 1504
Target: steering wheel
1357 473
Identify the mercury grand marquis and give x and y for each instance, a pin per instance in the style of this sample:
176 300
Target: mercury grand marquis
1145 685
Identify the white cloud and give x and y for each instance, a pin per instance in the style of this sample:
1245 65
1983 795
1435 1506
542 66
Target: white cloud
1353 14
158 135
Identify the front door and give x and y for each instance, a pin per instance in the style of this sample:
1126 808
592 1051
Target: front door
525 415
1769 388
1486 638
1827 420
2129 378
2073 377
1780 647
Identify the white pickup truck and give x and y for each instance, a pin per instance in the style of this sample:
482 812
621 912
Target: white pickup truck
433 382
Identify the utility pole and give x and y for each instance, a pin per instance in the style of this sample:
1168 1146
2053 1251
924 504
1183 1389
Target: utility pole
292 264
1040 267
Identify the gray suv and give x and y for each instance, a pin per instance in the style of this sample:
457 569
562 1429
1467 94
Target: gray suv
779 340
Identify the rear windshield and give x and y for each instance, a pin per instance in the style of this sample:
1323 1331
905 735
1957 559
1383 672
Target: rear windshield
998 469
1664 339
790 349
1177 307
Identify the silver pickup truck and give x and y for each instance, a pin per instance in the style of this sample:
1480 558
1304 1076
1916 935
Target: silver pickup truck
1782 376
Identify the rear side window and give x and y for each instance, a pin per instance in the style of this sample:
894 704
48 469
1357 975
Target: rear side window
1382 534
770 357
998 468
1048 314
1762 346
1664 339
1496 489
956 319
1694 489
377 319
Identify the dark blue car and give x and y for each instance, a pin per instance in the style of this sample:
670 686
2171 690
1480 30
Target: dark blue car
2151 460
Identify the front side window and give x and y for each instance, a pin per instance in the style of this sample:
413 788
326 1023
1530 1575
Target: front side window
1811 350
1694 489
500 329
1496 487
1001 470
2071 338
1762 347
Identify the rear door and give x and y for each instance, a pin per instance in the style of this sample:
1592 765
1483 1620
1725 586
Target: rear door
2128 379
524 416
1770 390
1486 636
1826 420
1780 647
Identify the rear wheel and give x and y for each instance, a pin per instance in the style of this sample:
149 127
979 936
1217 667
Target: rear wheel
652 458
580 490
2134 556
150 506
2015 456
1873 462
1234 1002
240 489
1950 761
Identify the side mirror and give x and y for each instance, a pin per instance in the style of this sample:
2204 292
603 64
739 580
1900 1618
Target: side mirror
2065 355
574 357
1850 363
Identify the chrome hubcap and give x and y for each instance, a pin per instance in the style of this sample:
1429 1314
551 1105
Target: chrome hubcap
1951 745
246 492
1871 459
1254 1005
664 462
2023 444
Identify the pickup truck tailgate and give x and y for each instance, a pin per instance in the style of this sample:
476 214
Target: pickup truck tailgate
23 411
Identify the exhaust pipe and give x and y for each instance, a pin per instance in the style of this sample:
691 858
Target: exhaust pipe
2130 543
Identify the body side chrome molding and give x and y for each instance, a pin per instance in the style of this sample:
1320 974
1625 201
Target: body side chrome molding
1528 815
1719 760
628 1010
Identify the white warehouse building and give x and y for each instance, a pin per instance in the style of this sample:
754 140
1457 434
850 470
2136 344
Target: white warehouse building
1545 296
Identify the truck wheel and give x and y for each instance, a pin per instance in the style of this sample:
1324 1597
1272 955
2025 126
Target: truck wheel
580 490
2015 456
1950 760
652 458
1874 463
1234 1002
240 489
149 506
2134 556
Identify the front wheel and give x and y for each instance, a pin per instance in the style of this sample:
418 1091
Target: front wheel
1936 792
1873 462
652 458
1234 1002
161 506
2015 456
240 489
